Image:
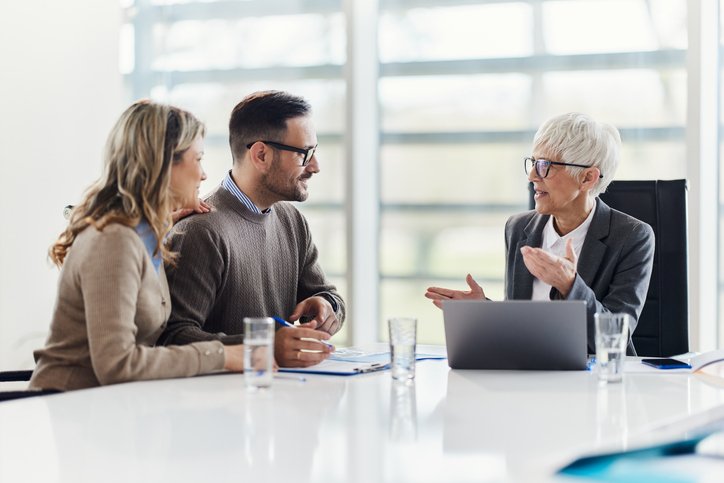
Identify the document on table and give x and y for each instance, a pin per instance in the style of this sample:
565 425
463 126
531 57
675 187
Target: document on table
695 361
701 360
352 361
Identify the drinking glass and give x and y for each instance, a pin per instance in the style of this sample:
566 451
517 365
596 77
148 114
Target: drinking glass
611 341
258 351
403 338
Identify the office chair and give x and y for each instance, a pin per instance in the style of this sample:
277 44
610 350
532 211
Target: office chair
12 395
663 327
15 376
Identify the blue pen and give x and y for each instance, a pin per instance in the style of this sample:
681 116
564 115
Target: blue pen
285 323
281 321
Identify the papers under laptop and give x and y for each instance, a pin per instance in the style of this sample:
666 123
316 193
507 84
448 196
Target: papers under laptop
516 334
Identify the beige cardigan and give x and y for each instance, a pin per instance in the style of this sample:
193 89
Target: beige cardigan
111 308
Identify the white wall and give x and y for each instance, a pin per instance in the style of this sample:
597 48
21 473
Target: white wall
60 92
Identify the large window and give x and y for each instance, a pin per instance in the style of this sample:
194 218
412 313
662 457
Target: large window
459 107
462 88
206 56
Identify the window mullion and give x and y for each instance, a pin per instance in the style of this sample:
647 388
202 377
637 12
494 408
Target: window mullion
362 170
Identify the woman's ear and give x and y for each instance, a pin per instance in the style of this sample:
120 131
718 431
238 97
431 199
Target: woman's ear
590 177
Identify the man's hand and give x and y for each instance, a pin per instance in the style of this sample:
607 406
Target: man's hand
558 272
300 347
438 294
320 310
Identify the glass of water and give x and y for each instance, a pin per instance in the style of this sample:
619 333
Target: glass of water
611 342
258 351
403 338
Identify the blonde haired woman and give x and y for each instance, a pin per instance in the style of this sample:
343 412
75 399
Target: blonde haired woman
113 299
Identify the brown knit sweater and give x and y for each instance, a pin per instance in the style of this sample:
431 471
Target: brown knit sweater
234 263
111 308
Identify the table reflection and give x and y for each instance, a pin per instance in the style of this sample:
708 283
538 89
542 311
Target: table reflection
542 419
611 414
403 411
216 421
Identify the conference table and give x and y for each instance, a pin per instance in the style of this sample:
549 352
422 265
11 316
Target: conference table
446 425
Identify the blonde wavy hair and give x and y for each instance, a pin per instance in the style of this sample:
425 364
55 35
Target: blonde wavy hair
145 142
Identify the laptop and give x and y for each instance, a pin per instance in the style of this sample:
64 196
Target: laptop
516 334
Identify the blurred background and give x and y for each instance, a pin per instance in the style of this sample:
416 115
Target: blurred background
424 111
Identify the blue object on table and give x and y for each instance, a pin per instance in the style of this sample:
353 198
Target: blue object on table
638 465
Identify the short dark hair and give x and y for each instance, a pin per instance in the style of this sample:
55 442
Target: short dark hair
263 116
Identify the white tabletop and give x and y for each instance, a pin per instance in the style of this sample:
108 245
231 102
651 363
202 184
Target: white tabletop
446 426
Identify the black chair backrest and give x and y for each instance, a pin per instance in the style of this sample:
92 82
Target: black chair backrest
663 327
14 376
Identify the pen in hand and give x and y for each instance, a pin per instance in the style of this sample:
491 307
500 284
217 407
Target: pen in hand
285 323
282 322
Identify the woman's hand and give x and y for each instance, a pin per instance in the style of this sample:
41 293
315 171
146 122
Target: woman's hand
558 272
234 358
438 294
200 207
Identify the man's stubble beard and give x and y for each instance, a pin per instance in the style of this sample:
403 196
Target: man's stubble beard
278 185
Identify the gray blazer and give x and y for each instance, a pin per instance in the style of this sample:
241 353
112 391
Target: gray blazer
614 266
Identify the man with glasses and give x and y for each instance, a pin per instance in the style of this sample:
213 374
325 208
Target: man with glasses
253 255
573 246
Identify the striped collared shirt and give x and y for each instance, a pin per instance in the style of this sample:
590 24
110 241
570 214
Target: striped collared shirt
231 187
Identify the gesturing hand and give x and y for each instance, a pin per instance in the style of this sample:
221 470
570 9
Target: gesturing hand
558 272
438 294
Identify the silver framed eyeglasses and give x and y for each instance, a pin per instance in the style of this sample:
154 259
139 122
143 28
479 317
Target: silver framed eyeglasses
543 166
308 152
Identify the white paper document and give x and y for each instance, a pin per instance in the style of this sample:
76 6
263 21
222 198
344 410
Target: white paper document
696 362
701 360
351 361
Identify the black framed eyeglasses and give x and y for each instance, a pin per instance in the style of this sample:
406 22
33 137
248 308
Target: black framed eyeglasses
543 166
308 153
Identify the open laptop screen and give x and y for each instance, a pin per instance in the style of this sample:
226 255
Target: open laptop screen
516 334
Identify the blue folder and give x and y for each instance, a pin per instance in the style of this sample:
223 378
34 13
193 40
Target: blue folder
640 465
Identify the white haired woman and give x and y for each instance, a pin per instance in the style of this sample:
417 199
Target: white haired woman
113 299
573 246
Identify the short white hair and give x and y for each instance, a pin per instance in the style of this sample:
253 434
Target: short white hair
576 138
